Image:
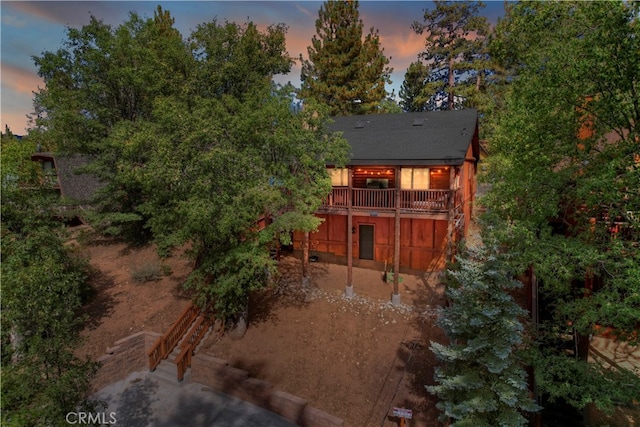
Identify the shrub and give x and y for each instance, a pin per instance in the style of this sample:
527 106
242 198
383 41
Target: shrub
149 272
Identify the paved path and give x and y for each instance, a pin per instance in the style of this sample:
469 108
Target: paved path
142 399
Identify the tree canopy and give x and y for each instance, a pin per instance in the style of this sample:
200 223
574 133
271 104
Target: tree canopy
43 288
194 142
565 179
345 71
482 381
454 53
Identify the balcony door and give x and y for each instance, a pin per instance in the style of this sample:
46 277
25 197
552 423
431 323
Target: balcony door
365 241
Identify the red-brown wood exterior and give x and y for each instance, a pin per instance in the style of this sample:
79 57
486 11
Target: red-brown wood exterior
426 217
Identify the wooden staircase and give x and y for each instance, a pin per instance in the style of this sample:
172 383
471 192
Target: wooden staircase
173 351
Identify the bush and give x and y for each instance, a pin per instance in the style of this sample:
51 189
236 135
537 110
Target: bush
149 272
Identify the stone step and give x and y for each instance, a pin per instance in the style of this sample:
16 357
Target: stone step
168 372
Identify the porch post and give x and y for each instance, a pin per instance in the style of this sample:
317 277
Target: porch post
349 288
451 213
395 297
305 259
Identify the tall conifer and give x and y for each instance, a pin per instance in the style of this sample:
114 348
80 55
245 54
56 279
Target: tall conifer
345 71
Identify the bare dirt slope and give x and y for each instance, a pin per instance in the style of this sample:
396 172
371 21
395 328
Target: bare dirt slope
353 358
122 306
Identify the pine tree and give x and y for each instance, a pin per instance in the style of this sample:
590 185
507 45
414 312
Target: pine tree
412 93
344 71
482 382
454 47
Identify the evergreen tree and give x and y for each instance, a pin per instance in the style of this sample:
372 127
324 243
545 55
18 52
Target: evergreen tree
482 382
413 91
454 49
344 71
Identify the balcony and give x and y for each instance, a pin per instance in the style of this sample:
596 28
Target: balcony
384 200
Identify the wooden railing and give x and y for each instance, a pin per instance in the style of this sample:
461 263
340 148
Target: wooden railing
189 344
374 199
166 343
425 200
339 198
416 201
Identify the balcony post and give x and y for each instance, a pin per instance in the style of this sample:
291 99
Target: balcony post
450 213
349 288
395 297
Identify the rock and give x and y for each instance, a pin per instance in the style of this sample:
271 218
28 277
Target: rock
239 329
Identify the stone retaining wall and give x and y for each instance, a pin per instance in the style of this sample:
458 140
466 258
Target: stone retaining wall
126 356
130 355
217 374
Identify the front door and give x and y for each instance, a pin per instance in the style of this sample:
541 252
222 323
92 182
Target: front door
366 241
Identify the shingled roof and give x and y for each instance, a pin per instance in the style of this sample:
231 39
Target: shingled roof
73 184
425 138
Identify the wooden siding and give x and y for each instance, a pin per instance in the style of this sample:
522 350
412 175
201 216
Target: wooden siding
421 240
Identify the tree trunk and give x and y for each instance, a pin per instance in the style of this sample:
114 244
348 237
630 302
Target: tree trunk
452 83
305 259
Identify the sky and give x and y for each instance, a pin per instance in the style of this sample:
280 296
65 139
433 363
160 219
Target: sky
28 29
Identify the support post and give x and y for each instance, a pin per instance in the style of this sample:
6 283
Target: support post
305 259
450 213
395 298
349 288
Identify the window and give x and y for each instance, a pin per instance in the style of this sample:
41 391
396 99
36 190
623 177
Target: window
414 179
339 177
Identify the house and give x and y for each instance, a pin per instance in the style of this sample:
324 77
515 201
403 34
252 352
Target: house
64 175
404 198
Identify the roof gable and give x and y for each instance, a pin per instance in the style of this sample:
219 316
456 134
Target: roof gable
424 138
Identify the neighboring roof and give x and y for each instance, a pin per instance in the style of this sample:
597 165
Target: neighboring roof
73 184
425 138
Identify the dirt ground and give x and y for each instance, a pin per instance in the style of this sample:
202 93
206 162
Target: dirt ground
121 306
354 358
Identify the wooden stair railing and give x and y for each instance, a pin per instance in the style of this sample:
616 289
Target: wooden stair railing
166 343
189 344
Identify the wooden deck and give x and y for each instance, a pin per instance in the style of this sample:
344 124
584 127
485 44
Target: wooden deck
384 200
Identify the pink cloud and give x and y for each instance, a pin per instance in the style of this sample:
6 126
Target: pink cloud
17 122
20 80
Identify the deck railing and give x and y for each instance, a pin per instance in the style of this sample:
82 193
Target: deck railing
425 200
189 344
166 343
416 201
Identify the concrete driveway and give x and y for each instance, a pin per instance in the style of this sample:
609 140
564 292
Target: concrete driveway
144 399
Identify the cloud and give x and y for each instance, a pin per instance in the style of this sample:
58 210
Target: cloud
307 12
17 122
64 12
13 21
20 80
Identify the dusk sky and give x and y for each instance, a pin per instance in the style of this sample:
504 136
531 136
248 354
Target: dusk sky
31 28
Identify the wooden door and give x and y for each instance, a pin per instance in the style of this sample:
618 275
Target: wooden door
365 241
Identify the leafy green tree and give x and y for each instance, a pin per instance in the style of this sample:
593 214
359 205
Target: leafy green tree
483 382
454 46
344 71
413 91
565 179
43 285
103 76
214 153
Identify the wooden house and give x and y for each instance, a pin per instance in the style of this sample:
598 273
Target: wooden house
64 175
405 197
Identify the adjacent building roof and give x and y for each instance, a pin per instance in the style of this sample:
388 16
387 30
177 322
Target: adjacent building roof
426 138
74 184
